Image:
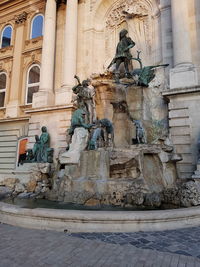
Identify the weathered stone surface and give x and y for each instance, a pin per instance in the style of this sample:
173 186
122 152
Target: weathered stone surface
124 164
186 194
190 194
153 200
92 202
136 198
171 196
5 192
30 187
9 182
24 195
19 188
77 197
117 177
94 164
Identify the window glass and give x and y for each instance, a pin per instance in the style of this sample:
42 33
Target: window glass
33 83
31 91
37 27
2 81
34 75
6 36
2 88
2 99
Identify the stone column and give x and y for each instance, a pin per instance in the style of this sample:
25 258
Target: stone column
184 73
12 108
166 32
45 96
64 94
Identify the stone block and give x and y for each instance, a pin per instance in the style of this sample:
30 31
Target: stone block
94 164
183 148
179 122
42 99
175 104
179 140
31 185
182 130
34 126
179 113
10 182
185 76
19 188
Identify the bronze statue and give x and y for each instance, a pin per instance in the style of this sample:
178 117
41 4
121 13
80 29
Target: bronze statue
146 74
123 54
78 120
36 148
140 132
85 98
41 151
97 138
44 145
108 128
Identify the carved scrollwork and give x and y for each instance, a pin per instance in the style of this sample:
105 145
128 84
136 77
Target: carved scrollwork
92 2
136 17
126 9
21 18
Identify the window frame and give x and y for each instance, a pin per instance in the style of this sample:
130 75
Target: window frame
31 31
31 84
4 89
2 31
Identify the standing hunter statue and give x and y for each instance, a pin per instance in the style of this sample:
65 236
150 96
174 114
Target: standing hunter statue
85 98
123 54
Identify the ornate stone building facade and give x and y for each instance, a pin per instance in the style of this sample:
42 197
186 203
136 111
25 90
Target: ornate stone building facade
45 43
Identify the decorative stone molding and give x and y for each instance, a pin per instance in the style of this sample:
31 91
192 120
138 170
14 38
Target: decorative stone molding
1 66
92 2
126 10
137 17
21 18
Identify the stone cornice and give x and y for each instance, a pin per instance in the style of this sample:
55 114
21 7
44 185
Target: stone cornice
178 91
49 109
14 119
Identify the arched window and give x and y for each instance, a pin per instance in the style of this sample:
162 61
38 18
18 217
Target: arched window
33 82
37 26
6 36
2 88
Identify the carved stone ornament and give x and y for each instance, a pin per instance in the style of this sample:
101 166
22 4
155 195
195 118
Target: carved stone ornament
92 2
21 18
126 9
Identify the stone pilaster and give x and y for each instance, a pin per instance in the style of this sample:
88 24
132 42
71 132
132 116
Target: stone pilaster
166 32
45 96
184 73
12 108
64 94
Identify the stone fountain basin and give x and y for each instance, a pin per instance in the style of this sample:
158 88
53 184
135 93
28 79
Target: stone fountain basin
99 221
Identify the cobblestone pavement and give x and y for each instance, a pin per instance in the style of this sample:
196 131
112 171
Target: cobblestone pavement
182 241
27 248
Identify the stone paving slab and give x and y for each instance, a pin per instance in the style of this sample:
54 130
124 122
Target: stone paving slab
181 241
26 248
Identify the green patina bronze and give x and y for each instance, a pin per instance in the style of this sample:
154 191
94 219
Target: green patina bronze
146 74
123 54
78 120
41 152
